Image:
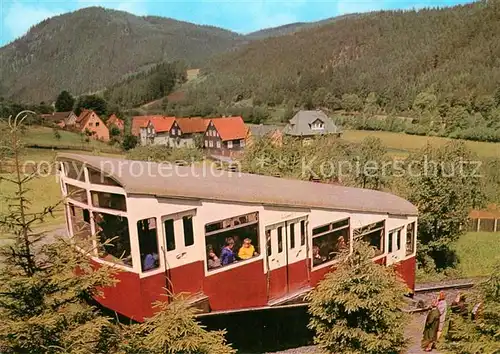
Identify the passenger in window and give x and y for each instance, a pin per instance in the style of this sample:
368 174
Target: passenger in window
150 261
341 245
247 251
212 260
227 254
317 258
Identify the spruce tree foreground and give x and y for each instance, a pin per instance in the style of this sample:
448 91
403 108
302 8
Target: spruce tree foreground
47 287
357 308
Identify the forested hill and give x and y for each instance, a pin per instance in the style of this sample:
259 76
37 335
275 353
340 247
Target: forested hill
395 54
94 47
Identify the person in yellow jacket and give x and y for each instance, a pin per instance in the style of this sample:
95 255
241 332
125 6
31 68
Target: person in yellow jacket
247 250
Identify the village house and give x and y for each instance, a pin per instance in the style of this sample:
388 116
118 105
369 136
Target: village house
309 124
225 136
62 119
184 131
157 131
259 131
113 120
89 123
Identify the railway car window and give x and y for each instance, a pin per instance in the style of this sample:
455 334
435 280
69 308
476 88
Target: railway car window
390 242
372 234
292 235
330 240
74 170
114 229
76 193
148 244
232 240
187 223
268 243
97 177
398 240
109 200
80 227
302 232
169 234
410 238
394 235
280 239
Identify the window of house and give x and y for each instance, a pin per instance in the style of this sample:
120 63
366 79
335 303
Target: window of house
242 142
179 132
174 131
148 244
168 227
114 238
230 144
330 240
302 232
211 143
76 193
80 227
292 235
74 170
187 224
97 177
91 124
410 238
218 144
96 124
206 143
372 234
232 240
108 200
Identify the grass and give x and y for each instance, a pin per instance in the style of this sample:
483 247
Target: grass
477 252
44 136
401 144
43 191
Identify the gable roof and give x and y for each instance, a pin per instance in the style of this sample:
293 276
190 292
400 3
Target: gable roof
230 128
192 125
162 124
188 182
84 115
300 124
139 122
57 116
262 130
113 119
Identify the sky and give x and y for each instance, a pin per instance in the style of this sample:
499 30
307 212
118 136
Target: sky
243 16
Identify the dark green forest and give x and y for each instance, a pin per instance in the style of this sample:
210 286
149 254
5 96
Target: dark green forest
92 48
439 67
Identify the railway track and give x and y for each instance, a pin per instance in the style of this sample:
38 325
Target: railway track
426 292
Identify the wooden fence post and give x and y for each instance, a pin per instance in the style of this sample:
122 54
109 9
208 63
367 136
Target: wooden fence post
478 224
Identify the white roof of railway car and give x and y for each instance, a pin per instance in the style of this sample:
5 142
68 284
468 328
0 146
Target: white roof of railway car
192 183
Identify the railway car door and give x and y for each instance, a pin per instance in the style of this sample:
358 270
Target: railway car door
178 249
297 266
276 259
395 249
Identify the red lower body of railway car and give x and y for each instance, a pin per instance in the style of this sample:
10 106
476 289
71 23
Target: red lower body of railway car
242 287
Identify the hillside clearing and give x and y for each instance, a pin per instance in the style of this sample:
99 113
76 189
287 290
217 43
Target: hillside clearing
402 143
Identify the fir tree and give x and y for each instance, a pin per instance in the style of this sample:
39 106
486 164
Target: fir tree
64 102
173 330
483 334
356 308
43 305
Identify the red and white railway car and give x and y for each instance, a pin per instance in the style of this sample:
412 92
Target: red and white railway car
163 219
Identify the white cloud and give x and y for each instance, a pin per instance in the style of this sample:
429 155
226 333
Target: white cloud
19 17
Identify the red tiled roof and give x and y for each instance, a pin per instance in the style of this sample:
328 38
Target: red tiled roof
56 116
162 124
230 128
84 115
139 122
192 125
113 119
